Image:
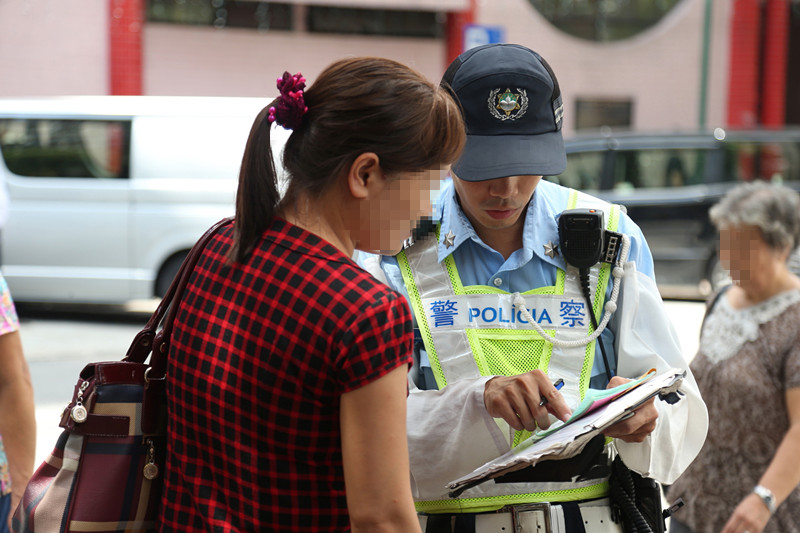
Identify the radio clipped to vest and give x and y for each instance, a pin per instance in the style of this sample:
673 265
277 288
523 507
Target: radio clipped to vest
584 240
584 243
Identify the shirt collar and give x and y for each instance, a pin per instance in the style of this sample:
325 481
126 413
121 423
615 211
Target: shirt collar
453 222
541 225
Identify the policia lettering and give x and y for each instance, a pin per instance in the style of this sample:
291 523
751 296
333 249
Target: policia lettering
476 331
476 311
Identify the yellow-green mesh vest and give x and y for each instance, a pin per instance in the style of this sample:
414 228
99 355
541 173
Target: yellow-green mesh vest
459 350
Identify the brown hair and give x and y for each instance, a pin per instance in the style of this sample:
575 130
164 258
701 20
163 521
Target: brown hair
357 105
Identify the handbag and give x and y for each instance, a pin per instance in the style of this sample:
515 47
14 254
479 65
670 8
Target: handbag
106 470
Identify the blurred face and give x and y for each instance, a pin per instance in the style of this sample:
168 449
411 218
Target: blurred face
743 252
496 204
387 218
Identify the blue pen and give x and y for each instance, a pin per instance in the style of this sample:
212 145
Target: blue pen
557 384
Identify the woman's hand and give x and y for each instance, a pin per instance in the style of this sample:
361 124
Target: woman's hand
637 427
750 516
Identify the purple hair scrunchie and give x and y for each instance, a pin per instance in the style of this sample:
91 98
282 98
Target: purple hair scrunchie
291 106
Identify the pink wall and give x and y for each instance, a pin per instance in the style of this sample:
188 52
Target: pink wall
53 47
185 60
61 47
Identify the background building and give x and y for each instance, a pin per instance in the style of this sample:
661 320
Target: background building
643 64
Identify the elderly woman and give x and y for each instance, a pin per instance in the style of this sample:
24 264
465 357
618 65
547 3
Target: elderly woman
748 370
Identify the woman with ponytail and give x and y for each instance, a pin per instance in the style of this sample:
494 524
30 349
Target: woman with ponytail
288 367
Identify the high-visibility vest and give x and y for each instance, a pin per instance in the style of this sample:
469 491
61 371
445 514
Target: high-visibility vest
476 331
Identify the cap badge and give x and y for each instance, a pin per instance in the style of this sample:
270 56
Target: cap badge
508 105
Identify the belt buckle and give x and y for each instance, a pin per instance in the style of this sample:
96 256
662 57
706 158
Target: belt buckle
544 507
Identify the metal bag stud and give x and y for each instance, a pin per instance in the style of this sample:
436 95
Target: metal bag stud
151 468
79 413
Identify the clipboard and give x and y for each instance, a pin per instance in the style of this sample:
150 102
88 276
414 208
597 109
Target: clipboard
595 413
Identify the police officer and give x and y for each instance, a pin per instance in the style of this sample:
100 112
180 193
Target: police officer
482 371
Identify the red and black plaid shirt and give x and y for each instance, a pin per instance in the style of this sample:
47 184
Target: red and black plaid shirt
261 353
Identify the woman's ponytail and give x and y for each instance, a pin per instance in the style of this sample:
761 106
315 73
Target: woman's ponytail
257 196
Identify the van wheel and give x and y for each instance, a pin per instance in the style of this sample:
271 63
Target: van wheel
168 272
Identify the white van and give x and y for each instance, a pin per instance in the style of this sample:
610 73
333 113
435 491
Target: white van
107 194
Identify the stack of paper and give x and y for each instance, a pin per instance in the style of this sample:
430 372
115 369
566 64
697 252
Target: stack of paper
599 410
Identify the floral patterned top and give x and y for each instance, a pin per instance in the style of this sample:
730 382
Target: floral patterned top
746 361
9 322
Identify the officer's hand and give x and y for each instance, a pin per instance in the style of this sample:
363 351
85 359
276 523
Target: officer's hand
637 427
516 399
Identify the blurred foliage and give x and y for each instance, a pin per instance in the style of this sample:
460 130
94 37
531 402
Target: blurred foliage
394 22
265 16
222 13
603 20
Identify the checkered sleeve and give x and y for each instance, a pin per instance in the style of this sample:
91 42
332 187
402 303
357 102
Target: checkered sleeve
377 341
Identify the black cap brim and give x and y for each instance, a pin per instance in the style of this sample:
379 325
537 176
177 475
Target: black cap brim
487 157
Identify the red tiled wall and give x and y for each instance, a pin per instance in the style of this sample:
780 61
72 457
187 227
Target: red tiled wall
776 45
454 30
125 50
743 75
759 56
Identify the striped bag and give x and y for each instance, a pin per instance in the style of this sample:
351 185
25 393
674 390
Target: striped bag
104 474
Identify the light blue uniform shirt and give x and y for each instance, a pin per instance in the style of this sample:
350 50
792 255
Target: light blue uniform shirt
527 268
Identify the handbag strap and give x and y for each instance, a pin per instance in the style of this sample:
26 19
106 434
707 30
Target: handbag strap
145 340
712 303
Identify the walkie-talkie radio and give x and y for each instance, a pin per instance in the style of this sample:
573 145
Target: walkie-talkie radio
584 241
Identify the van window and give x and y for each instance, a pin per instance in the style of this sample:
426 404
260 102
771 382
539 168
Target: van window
747 161
66 148
637 169
583 172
